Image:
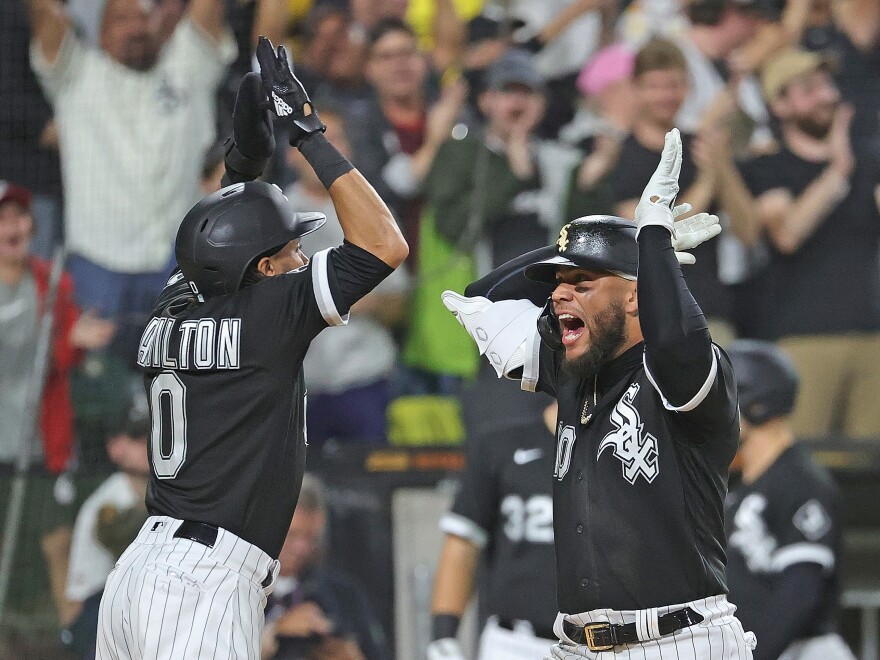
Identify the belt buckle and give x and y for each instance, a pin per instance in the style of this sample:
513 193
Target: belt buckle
599 636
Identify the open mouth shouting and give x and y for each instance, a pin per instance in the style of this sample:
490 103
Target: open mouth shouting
572 328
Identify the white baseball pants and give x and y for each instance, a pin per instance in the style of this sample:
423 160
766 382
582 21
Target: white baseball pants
175 598
497 643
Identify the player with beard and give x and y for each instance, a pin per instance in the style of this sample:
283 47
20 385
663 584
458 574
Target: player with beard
647 427
818 206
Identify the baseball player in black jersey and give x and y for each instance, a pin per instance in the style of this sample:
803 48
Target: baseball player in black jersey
505 506
784 521
647 429
222 360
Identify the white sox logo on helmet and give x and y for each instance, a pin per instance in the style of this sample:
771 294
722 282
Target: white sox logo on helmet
633 447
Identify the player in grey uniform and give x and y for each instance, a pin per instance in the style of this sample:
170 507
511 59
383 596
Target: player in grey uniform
647 429
504 510
783 522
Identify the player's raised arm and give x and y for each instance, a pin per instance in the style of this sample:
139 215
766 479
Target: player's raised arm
365 219
679 356
49 25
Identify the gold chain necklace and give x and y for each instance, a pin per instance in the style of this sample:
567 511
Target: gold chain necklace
586 415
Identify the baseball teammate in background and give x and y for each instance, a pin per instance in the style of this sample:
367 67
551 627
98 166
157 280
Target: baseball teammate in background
222 358
505 506
647 428
783 522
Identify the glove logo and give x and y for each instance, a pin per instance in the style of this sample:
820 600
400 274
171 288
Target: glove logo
562 241
281 108
634 448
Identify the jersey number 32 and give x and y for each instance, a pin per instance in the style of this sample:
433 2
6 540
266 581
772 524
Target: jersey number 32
168 421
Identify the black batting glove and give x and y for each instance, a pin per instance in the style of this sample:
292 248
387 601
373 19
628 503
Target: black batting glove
253 138
287 97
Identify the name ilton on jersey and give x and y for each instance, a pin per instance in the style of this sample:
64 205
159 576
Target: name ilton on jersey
204 344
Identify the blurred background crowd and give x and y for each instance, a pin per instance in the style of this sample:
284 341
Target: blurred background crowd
485 126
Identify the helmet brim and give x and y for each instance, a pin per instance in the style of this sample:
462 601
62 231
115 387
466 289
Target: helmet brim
545 270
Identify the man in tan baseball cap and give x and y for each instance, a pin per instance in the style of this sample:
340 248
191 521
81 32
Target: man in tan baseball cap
788 65
817 200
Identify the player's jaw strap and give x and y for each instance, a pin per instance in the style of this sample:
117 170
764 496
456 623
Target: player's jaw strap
604 636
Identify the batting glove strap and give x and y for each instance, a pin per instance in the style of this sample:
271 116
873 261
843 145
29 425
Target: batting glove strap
248 169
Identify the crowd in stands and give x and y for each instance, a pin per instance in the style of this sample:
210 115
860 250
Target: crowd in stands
500 122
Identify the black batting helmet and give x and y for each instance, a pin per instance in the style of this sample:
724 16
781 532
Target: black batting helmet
223 234
598 242
766 378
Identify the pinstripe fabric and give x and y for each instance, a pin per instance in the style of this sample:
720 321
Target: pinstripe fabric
497 643
174 598
720 636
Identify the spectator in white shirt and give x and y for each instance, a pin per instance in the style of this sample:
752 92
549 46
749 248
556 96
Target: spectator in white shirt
135 118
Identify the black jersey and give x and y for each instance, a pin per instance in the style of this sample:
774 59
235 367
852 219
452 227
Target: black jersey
227 400
639 484
787 516
505 505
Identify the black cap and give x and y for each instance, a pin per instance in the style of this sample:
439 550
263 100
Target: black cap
597 242
514 67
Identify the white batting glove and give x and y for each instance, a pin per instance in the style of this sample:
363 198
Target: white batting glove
655 206
500 329
690 232
445 649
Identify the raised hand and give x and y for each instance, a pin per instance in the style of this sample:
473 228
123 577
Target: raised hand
287 97
655 206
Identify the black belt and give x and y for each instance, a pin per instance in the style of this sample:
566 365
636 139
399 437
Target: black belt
540 631
605 636
198 532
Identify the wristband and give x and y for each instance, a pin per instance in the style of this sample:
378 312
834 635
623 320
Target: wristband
325 160
444 625
235 161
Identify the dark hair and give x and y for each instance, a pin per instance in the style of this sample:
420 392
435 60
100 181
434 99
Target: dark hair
308 29
252 274
706 12
659 55
387 26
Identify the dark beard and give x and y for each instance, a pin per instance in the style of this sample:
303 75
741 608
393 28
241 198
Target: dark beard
607 334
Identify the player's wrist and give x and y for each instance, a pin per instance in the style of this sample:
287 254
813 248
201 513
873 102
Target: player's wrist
444 626
324 158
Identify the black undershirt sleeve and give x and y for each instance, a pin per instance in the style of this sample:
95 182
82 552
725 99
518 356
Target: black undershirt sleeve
353 273
785 615
678 347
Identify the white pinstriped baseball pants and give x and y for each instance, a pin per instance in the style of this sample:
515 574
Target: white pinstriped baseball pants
175 598
720 636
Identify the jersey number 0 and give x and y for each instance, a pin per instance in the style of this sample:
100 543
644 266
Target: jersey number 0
168 421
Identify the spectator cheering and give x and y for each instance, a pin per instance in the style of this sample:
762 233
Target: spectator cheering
315 611
818 208
135 118
24 285
396 134
708 177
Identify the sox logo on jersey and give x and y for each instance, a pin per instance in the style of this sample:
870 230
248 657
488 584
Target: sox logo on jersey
633 447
